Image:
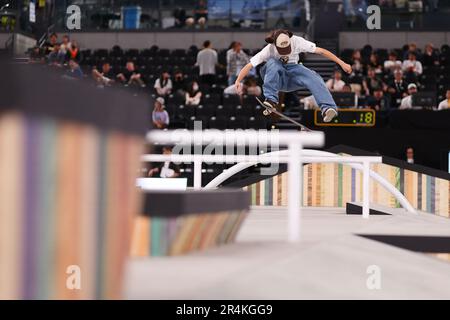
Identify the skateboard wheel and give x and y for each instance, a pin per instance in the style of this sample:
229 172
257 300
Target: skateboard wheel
266 113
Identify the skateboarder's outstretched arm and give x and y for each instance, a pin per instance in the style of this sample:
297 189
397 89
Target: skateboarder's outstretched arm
329 55
242 74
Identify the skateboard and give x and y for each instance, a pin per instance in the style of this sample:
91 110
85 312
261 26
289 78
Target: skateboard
269 110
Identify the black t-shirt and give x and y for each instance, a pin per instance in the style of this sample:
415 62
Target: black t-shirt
127 73
178 84
382 103
49 47
110 74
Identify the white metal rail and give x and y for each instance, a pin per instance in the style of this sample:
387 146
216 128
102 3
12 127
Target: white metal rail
293 156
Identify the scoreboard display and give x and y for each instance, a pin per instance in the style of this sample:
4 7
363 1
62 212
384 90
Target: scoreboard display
347 118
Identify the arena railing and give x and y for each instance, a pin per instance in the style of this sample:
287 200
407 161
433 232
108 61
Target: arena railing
294 157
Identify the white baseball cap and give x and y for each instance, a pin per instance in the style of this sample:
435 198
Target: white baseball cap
160 100
283 43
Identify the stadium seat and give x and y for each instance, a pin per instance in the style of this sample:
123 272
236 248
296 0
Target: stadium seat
249 101
247 111
185 112
206 110
218 122
257 123
231 99
226 110
212 98
238 122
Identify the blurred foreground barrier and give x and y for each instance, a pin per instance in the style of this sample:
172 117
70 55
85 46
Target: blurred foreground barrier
69 155
178 222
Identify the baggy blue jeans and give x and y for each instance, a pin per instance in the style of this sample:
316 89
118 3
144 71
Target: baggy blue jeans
289 77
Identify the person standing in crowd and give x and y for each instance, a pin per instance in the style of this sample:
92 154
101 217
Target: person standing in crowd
160 116
163 85
335 84
236 60
207 61
445 104
397 88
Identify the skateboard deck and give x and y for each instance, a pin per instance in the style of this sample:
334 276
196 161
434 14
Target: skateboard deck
275 111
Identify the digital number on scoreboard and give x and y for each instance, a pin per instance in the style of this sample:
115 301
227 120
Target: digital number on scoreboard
348 118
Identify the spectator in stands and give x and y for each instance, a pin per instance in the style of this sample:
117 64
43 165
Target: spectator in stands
74 70
346 88
202 22
409 155
160 116
397 88
163 85
335 84
73 52
251 87
131 75
356 62
201 11
50 44
63 48
445 104
412 65
179 83
375 64
407 101
372 83
207 61
105 76
193 94
412 48
36 56
429 57
378 101
53 55
392 63
167 169
180 17
236 60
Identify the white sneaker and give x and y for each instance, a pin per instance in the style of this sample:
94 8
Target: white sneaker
329 114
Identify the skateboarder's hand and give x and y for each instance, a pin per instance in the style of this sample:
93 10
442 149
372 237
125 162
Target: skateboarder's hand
347 68
238 86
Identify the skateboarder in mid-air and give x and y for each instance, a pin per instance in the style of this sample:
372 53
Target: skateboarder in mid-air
282 72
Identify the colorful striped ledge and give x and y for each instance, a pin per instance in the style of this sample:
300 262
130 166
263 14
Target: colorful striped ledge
67 198
335 184
179 222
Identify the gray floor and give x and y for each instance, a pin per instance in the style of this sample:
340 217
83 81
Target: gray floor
329 263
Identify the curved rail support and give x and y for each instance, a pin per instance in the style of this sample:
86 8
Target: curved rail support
306 152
